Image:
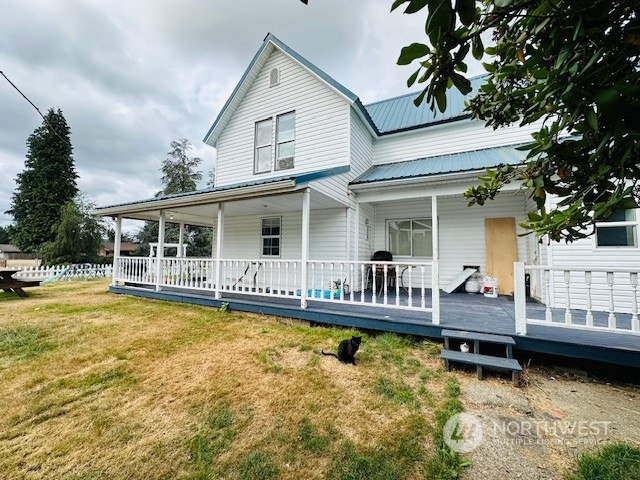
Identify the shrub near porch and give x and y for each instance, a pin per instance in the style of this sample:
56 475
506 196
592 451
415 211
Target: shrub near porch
106 386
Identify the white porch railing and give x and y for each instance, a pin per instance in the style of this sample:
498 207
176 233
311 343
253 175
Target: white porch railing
403 285
598 299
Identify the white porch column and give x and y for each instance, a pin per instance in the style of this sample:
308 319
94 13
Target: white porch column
181 242
306 210
219 240
160 250
355 282
435 275
117 242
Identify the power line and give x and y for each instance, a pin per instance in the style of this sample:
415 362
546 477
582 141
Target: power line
34 106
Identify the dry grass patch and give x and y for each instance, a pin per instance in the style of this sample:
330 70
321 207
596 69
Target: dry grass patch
105 386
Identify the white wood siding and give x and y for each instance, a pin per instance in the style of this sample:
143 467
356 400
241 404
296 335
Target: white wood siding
462 235
327 235
361 158
322 123
460 136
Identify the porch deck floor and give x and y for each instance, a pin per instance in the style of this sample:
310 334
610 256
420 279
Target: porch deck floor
461 311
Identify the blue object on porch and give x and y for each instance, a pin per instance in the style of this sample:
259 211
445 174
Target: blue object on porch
317 293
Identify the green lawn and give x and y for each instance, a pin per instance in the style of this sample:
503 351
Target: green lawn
96 386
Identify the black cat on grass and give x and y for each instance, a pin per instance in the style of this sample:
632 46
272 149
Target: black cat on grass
346 350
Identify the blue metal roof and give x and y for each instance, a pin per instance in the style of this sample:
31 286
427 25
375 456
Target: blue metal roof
442 164
299 179
400 113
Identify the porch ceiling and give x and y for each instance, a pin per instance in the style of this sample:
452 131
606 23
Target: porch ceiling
205 214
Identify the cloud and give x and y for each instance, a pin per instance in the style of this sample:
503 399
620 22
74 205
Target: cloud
130 77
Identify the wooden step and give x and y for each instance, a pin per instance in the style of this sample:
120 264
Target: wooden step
481 337
480 361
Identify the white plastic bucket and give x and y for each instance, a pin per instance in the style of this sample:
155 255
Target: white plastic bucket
490 287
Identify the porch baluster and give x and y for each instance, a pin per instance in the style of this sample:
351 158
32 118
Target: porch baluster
331 279
567 312
279 277
264 277
422 288
546 278
397 284
342 282
589 315
611 318
286 278
351 282
362 284
374 288
635 323
295 277
410 289
313 278
322 280
385 282
273 290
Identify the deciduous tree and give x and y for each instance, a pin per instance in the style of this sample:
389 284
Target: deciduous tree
78 234
575 67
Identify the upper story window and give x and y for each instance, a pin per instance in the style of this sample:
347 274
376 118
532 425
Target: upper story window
264 137
410 238
619 230
283 129
285 140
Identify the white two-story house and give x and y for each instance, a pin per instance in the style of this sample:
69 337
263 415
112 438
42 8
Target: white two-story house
310 183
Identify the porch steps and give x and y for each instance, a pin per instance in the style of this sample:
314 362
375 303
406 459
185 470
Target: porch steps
481 361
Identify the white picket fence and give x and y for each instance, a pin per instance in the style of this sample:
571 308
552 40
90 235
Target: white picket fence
64 272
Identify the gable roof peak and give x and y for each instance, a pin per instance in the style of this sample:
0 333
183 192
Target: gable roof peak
270 43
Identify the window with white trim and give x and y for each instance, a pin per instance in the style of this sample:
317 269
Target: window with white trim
263 139
285 140
410 238
619 230
283 131
270 236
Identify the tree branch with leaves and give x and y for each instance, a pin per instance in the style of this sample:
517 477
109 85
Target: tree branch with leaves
574 67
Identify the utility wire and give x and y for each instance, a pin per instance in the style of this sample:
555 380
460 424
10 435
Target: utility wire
34 106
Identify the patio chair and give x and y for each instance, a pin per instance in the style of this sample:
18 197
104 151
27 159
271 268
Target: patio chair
378 270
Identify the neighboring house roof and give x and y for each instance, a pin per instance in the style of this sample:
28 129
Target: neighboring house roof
7 248
442 164
400 113
124 246
223 192
268 45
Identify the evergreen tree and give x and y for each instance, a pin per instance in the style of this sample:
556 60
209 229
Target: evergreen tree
46 184
179 172
179 175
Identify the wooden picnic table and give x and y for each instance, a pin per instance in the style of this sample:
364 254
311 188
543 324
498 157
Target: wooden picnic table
10 284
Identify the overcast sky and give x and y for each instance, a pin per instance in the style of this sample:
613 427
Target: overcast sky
130 76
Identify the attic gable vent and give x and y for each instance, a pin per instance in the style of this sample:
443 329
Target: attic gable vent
274 77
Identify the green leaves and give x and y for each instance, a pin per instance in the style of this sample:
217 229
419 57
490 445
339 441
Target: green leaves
466 10
575 73
412 52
